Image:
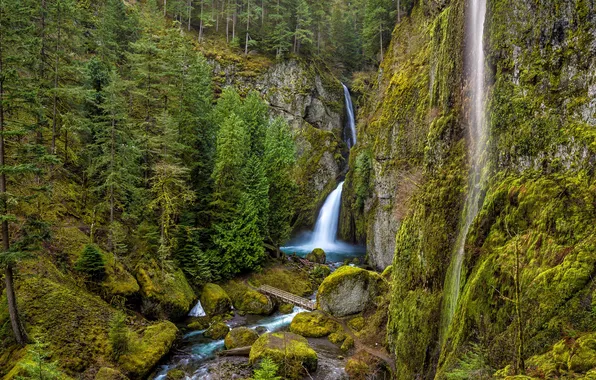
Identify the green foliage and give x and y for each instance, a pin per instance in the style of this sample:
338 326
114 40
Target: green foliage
37 366
472 365
267 370
91 263
118 335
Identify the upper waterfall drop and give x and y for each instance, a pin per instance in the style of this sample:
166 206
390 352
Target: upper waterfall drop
351 120
477 147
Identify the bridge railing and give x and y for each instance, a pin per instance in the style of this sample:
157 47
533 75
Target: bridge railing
287 297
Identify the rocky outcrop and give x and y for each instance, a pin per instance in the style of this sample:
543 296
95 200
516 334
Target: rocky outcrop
215 300
289 351
217 331
317 256
165 292
349 290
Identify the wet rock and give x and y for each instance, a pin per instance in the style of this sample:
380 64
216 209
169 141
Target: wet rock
312 325
215 300
217 331
349 290
317 256
240 337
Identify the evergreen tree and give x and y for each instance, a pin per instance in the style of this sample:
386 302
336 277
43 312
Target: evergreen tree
267 370
303 35
118 335
91 263
280 161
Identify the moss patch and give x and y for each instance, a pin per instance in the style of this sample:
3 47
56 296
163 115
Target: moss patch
217 331
290 351
240 337
312 324
248 300
293 280
317 256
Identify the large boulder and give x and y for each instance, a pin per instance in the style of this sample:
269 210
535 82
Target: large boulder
349 290
217 331
289 351
253 302
215 300
166 294
148 348
312 324
240 337
317 256
106 373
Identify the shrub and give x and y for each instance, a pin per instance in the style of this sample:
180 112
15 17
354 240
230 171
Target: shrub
267 370
118 335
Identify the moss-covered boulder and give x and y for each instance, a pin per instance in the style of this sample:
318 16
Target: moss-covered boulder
337 337
254 302
312 324
165 291
240 337
217 331
317 256
215 300
176 374
289 351
147 348
567 358
291 279
349 290
106 373
198 323
357 369
286 308
347 344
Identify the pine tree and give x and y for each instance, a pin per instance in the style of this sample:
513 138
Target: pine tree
118 335
302 34
280 161
91 263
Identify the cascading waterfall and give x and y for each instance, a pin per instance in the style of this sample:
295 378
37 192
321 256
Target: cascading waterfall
325 232
326 225
478 136
351 120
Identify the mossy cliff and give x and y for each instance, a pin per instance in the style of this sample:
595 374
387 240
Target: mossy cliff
530 262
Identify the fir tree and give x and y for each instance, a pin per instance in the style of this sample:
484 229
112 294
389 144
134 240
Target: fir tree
91 263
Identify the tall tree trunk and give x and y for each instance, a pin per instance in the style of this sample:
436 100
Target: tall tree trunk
262 13
13 312
42 63
228 22
398 11
381 39
55 100
201 22
234 18
247 28
189 13
165 7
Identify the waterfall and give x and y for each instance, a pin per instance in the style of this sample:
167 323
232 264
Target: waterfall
351 120
326 225
197 311
478 141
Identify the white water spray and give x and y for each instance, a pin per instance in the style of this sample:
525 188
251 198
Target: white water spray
478 140
326 225
197 311
351 120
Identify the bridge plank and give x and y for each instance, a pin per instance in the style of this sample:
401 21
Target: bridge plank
288 297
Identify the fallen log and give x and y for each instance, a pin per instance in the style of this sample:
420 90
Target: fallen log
240 351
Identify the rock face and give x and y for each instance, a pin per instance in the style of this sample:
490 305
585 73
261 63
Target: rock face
240 337
106 373
254 302
409 179
349 290
317 256
165 292
310 98
215 300
289 351
312 325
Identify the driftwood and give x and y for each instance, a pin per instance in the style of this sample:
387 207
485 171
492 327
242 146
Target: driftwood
240 351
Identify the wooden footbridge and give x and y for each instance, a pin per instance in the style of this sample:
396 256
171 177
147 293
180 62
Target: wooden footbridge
287 297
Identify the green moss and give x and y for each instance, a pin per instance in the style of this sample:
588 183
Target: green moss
312 324
106 373
240 337
317 256
215 300
289 351
337 337
217 331
347 344
248 300
293 280
164 290
199 323
356 323
357 369
147 348
176 374
286 308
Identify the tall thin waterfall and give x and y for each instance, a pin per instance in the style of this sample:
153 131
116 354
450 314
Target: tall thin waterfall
478 141
326 225
351 120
